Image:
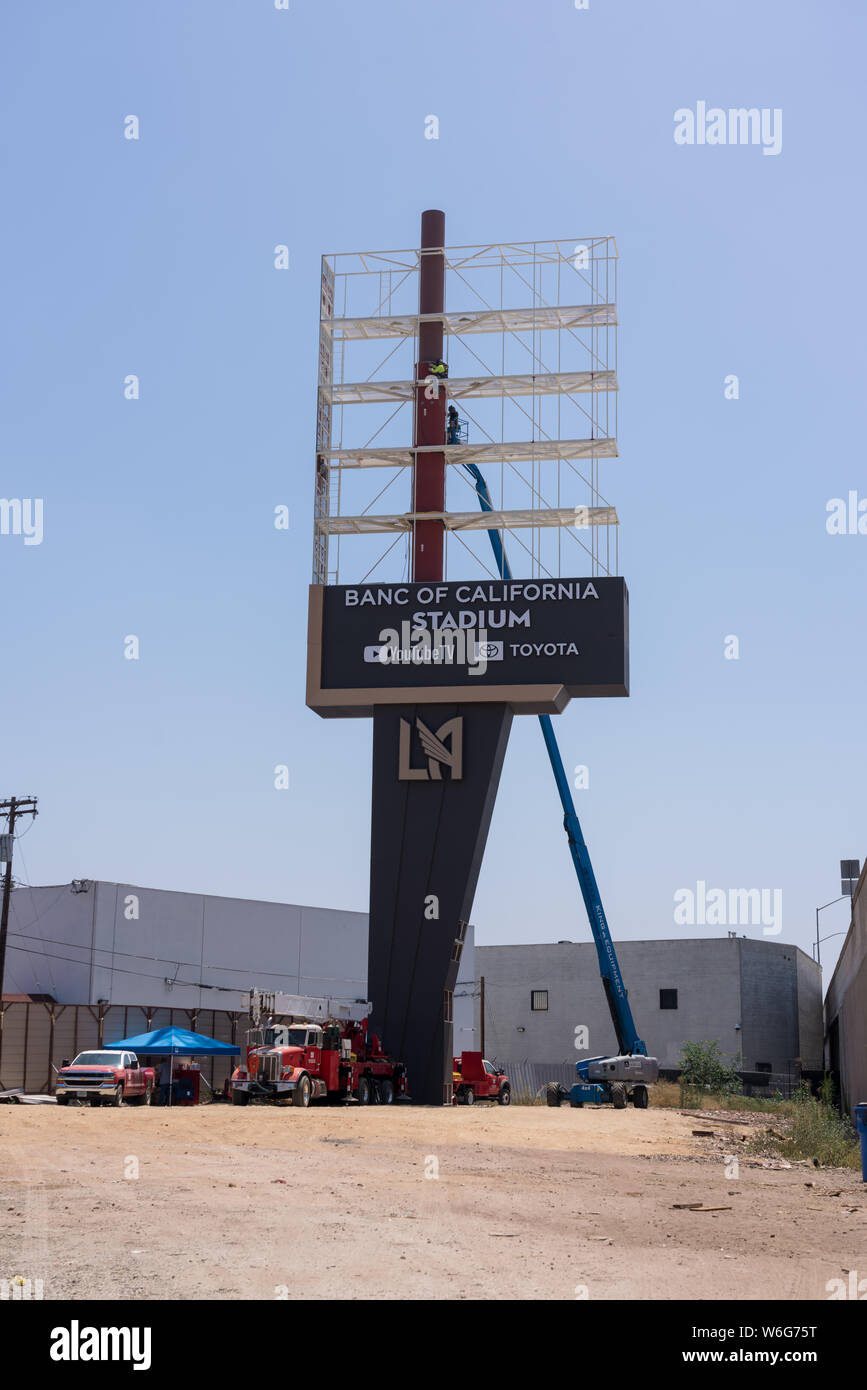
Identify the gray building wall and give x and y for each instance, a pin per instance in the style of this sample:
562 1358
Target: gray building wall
769 1003
81 947
810 1019
762 1003
846 1006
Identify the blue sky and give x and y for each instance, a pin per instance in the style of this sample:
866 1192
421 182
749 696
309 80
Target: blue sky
155 257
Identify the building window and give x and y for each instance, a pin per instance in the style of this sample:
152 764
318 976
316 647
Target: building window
763 1066
539 1000
668 998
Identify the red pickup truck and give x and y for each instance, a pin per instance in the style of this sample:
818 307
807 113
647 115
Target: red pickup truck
105 1077
474 1078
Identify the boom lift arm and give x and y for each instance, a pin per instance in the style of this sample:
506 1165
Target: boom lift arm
628 1041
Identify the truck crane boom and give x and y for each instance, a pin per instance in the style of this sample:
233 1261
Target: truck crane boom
314 1007
628 1041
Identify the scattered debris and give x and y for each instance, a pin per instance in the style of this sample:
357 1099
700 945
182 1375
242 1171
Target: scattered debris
696 1206
711 1120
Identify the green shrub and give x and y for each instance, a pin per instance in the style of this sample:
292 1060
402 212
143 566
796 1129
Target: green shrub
815 1130
820 1131
702 1069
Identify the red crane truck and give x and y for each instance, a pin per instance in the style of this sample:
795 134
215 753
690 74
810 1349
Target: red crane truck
323 1053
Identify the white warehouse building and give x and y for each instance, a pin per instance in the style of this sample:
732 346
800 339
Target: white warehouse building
117 944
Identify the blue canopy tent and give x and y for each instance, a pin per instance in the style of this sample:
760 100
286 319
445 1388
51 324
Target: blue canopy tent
176 1042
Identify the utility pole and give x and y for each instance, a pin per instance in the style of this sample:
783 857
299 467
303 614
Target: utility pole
13 808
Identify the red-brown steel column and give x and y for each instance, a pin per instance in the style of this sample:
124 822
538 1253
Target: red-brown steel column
429 470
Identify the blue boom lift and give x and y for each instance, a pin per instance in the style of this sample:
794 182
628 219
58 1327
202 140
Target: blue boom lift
600 1079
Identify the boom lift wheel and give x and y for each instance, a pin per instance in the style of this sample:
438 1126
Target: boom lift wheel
618 1096
640 1097
553 1095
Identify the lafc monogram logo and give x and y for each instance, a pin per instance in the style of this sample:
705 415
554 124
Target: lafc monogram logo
434 745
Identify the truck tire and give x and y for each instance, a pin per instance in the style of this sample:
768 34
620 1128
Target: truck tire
62 1100
117 1098
375 1092
469 1096
94 1100
301 1094
149 1094
640 1098
363 1091
553 1093
387 1091
240 1097
505 1096
618 1096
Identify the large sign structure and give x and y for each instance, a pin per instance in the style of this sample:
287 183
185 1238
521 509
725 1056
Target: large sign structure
532 644
442 662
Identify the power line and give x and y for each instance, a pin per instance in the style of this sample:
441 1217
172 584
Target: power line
34 913
133 955
149 975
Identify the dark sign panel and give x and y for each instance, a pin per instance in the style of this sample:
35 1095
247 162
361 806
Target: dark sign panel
530 644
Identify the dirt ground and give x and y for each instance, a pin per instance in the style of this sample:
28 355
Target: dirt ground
464 1203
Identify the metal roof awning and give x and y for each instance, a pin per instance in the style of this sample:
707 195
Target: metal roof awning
529 517
567 316
542 384
520 451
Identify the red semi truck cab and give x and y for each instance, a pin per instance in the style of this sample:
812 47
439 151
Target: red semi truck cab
304 1061
105 1077
474 1078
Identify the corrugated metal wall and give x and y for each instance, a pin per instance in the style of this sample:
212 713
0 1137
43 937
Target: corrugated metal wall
36 1038
530 1078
